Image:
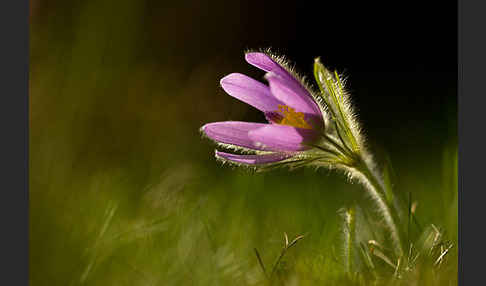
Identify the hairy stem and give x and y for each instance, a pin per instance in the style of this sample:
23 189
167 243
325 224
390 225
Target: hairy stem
336 145
377 192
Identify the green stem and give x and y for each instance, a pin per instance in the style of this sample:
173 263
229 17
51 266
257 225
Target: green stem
336 145
377 192
350 225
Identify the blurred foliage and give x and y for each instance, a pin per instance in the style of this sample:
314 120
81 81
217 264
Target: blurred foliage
123 191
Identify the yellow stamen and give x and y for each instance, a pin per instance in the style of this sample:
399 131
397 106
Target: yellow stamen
292 118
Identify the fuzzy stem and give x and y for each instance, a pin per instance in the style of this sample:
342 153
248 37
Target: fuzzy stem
336 145
377 192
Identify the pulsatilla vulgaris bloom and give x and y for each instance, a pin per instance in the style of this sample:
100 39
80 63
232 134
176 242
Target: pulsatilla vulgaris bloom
304 128
295 118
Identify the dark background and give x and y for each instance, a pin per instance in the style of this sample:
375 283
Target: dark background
400 57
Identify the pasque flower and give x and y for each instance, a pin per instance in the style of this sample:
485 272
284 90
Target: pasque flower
295 119
304 128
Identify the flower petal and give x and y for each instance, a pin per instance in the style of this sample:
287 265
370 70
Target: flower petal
253 159
250 91
232 132
266 63
275 137
292 96
295 94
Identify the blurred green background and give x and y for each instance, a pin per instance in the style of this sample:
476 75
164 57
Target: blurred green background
123 189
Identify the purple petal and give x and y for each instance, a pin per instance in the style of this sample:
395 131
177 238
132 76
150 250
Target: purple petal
232 132
276 137
304 102
253 159
266 63
292 95
250 91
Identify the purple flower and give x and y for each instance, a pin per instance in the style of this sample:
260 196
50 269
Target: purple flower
295 120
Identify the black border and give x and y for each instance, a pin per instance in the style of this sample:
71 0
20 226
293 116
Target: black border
471 104
14 123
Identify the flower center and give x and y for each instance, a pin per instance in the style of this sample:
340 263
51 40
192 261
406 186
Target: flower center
290 117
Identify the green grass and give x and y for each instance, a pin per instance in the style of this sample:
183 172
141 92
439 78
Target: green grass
199 226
